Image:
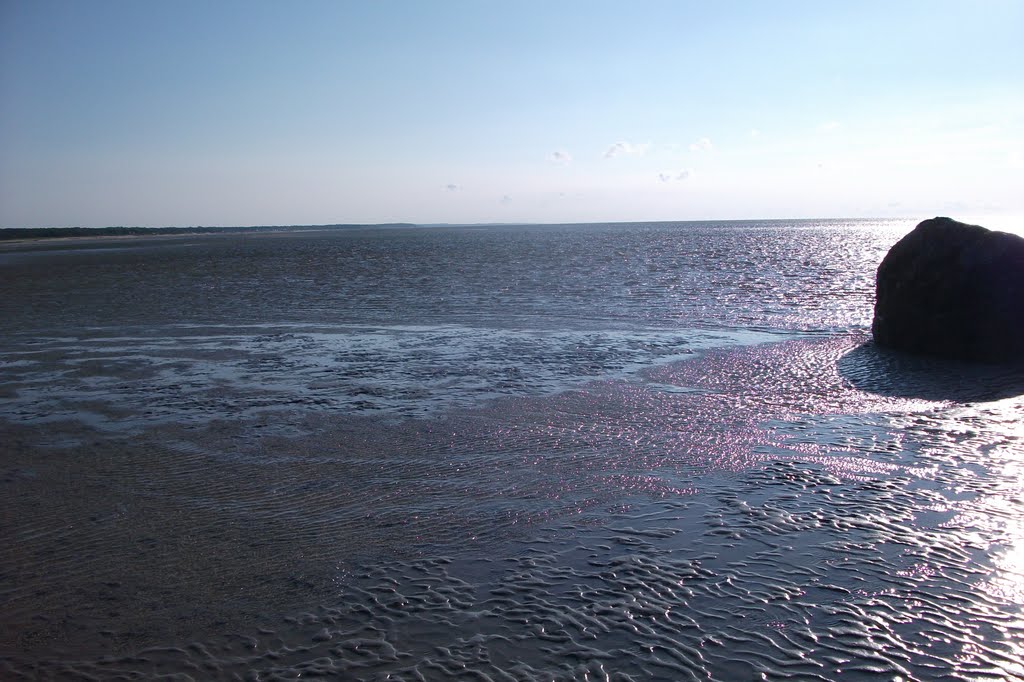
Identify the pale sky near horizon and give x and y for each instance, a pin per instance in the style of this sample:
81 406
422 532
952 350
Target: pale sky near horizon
274 113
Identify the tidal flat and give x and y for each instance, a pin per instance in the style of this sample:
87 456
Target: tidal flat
513 453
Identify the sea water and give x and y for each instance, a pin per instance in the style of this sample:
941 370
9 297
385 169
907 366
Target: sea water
624 451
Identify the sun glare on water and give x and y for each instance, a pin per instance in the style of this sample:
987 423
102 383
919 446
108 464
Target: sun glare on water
1006 508
1014 224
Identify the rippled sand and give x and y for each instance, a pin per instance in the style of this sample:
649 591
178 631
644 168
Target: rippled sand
809 509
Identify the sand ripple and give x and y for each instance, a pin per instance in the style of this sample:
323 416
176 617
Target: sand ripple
752 513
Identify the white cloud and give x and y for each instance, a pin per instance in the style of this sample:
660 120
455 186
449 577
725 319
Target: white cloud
506 199
829 126
620 148
561 156
451 187
701 145
755 133
675 176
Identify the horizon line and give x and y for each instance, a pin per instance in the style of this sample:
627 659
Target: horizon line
443 224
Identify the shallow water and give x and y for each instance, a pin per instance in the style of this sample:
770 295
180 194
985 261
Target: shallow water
666 452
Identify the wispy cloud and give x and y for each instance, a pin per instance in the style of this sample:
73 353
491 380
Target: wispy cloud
561 156
701 145
675 176
829 126
620 148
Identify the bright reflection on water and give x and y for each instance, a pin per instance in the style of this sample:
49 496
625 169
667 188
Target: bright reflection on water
1003 515
630 453
1013 224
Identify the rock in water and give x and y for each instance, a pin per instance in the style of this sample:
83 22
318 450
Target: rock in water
953 290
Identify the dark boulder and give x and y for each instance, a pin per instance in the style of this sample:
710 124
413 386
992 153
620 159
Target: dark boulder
952 290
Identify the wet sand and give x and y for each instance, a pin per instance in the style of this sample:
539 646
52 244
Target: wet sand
749 511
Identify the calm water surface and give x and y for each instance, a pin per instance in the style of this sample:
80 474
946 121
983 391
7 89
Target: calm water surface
633 452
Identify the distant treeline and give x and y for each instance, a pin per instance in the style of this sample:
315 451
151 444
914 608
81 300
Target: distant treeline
55 232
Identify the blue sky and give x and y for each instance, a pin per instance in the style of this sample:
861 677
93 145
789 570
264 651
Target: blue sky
238 113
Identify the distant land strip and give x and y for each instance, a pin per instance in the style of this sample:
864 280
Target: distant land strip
11 233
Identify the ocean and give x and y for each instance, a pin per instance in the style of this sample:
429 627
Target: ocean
663 451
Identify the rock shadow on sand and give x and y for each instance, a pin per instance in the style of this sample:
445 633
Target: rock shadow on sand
875 369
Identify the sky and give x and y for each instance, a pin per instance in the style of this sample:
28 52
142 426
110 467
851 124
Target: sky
183 112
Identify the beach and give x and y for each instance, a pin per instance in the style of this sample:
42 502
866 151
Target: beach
658 451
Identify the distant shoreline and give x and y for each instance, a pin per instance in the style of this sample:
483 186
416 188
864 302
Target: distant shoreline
23 234
34 234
